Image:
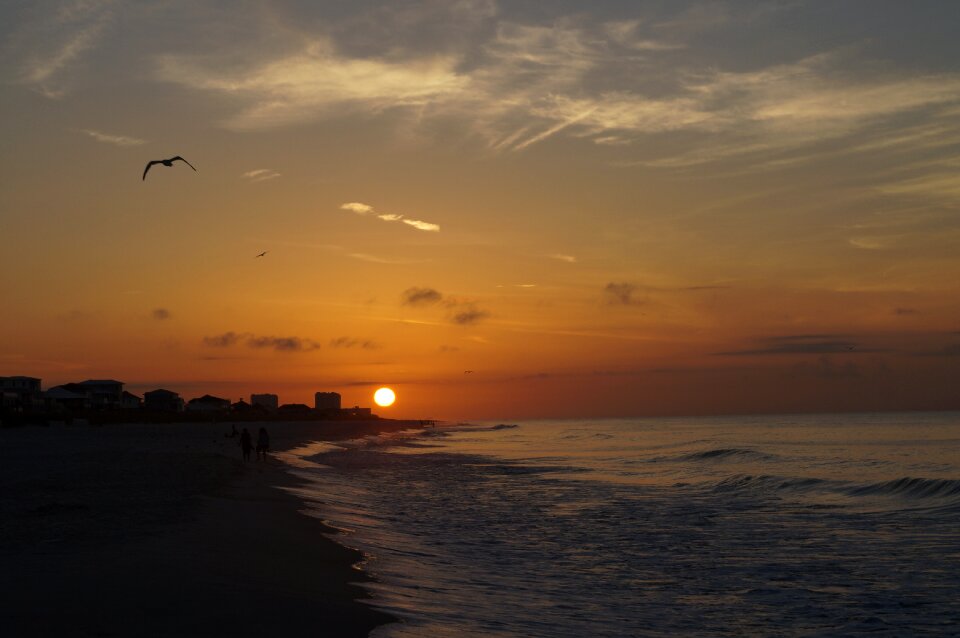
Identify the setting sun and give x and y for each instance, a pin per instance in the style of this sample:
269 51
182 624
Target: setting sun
384 397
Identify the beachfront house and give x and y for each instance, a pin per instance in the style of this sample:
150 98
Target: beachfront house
103 393
20 392
130 401
162 401
269 401
208 403
61 398
295 410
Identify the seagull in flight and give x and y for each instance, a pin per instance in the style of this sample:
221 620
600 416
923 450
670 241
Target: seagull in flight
263 254
165 162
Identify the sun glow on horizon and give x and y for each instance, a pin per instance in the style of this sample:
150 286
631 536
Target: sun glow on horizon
384 397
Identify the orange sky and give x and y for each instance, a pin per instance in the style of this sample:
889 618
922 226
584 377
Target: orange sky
667 209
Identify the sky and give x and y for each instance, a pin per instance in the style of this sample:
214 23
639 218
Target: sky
498 209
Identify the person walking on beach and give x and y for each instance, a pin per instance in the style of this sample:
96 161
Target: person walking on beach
263 444
245 444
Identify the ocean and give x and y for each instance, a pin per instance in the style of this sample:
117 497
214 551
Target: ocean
813 525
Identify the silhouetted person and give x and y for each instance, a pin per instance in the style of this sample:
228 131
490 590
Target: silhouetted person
233 432
245 444
263 444
166 162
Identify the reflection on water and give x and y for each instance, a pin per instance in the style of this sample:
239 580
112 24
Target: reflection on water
820 525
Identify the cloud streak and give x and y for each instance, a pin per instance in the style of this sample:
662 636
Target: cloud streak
420 297
278 344
76 28
116 140
803 344
260 175
519 85
350 342
360 208
621 294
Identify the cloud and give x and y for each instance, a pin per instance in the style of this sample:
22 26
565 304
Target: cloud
57 42
621 294
570 259
870 243
449 349
225 340
422 225
905 311
161 314
516 85
357 207
366 209
260 175
350 342
280 344
804 344
468 315
420 297
318 81
116 140
384 260
283 344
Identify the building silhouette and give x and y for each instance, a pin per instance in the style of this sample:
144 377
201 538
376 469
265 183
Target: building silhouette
208 403
269 401
162 401
103 393
326 401
19 393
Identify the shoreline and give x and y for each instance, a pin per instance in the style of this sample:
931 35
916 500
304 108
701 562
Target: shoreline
159 530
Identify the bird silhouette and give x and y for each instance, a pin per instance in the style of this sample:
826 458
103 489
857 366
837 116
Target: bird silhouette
263 254
165 162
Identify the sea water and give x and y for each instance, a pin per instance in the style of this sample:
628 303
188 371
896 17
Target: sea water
826 525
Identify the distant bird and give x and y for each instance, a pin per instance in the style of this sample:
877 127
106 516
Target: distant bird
263 254
166 162
468 371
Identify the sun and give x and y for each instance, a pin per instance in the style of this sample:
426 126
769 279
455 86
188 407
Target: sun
384 397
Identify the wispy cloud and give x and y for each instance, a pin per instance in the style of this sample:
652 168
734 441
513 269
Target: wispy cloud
570 259
517 85
366 209
463 312
279 344
350 342
260 175
357 207
116 140
420 297
803 344
283 344
622 294
318 81
224 340
60 41
469 315
384 260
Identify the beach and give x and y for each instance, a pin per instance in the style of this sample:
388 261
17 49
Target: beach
162 530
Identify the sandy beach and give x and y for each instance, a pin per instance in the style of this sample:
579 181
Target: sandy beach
163 530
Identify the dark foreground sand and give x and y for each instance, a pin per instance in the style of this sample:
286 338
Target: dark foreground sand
162 530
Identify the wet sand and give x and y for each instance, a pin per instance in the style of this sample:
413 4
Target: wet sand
163 530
